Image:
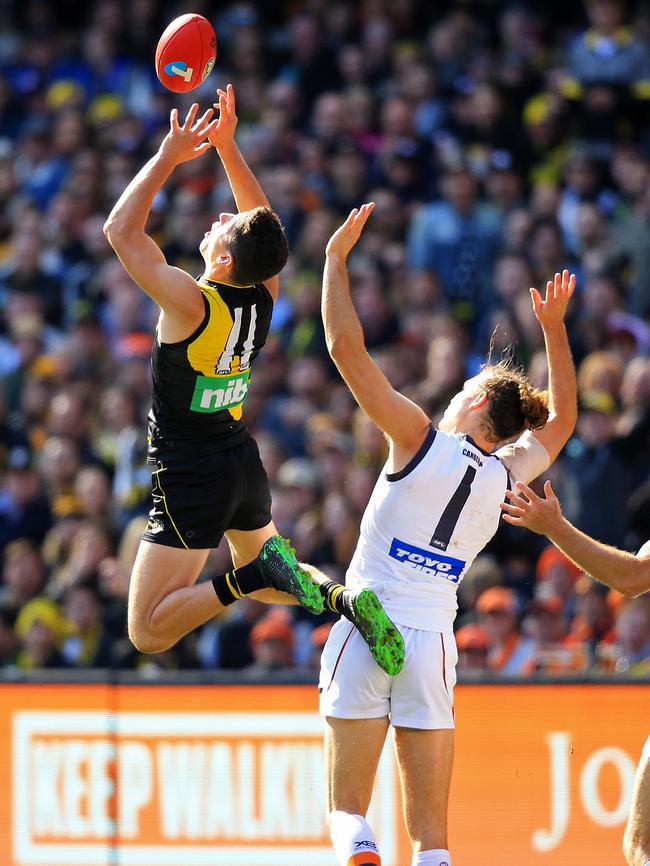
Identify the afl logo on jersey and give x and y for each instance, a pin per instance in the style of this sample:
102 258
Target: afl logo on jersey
179 67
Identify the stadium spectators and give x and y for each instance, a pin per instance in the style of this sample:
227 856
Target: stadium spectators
500 143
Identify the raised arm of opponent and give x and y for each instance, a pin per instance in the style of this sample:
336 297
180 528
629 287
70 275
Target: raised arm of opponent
171 288
525 458
404 423
245 187
562 391
619 569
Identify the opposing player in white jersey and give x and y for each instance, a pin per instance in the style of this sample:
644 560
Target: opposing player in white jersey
622 571
434 507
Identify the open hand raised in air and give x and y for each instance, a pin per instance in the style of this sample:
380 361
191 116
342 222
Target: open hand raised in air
550 311
346 236
223 132
186 142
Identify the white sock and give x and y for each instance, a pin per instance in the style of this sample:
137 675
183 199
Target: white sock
352 837
432 857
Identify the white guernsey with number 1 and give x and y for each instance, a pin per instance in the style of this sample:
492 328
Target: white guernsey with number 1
424 526
425 522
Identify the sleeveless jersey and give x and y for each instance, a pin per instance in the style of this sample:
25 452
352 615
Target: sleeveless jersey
200 384
424 526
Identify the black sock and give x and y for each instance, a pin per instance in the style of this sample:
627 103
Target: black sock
337 598
239 582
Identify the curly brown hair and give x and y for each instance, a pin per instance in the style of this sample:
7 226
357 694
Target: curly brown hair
514 405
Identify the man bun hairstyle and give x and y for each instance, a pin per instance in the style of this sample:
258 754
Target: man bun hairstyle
258 246
514 405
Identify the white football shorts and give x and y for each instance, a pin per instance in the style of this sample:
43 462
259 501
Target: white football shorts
353 686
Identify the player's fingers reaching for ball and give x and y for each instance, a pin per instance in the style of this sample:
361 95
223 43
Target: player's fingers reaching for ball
202 148
206 130
173 120
191 114
226 98
203 122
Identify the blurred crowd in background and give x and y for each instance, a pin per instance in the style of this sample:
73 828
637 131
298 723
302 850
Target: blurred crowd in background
501 142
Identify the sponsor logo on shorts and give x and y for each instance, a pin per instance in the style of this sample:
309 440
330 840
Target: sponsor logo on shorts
214 393
180 68
426 561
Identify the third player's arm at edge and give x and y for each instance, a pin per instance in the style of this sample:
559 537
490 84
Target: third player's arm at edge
562 389
402 421
246 189
618 569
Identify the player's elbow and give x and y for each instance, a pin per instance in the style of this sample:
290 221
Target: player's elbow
344 347
113 231
110 230
563 424
336 347
636 588
633 581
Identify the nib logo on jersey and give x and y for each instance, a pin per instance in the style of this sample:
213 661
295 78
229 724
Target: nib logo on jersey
426 561
214 393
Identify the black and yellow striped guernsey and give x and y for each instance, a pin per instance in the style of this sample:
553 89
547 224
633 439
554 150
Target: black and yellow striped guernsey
200 384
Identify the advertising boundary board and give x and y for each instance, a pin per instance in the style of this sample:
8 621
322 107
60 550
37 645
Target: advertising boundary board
108 774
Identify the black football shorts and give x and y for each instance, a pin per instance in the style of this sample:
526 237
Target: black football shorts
198 492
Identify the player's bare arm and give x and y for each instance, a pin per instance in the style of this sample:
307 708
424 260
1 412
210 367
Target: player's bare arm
171 288
404 423
245 187
562 392
620 570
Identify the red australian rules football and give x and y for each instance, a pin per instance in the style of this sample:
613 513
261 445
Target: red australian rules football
186 53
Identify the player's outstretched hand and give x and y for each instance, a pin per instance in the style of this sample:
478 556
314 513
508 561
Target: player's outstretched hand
526 508
223 132
551 310
346 236
186 142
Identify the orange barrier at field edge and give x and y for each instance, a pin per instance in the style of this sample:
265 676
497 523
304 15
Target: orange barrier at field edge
233 776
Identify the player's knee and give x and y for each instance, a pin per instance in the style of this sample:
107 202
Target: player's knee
145 640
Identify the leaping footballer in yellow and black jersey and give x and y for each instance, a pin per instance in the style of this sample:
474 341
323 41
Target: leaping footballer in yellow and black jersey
208 478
